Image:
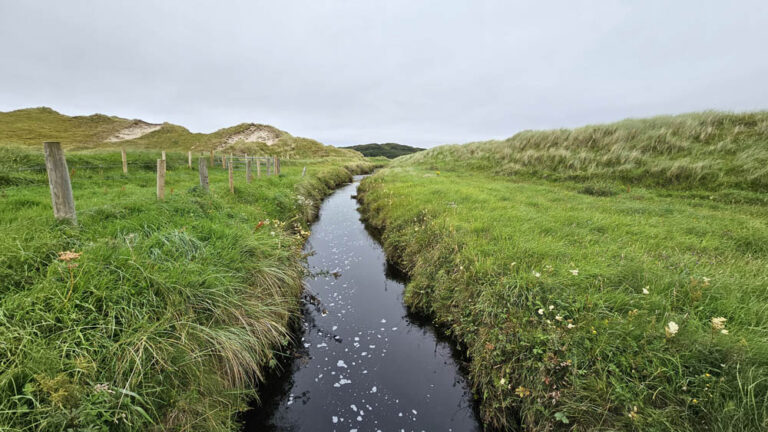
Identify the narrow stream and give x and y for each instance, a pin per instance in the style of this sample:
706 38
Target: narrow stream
363 363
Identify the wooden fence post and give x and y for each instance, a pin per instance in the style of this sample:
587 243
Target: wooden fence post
161 179
258 167
125 160
189 159
304 172
203 169
58 180
163 155
274 162
231 179
247 169
223 162
269 166
211 158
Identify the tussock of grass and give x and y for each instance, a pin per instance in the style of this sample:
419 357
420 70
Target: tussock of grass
506 263
172 311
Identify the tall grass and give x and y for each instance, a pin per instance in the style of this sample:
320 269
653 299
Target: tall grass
172 311
709 150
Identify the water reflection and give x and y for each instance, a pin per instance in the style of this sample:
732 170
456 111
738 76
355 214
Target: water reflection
363 363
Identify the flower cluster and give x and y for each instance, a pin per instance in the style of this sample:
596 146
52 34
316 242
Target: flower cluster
718 323
304 201
300 232
559 318
522 392
103 388
68 256
671 329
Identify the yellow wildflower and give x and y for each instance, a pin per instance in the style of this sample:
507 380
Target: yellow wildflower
718 323
522 391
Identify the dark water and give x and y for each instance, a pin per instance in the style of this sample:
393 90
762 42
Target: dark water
363 364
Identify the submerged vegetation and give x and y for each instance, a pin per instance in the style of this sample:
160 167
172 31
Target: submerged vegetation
607 278
147 315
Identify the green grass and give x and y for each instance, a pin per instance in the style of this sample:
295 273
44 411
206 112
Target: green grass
173 309
487 252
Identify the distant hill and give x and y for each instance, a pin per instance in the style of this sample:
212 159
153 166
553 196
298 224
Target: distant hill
31 126
388 150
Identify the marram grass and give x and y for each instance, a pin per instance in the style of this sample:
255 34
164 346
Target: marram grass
708 150
163 315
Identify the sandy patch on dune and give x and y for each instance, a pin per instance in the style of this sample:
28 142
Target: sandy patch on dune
255 133
135 130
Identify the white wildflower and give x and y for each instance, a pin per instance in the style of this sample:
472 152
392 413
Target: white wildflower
671 329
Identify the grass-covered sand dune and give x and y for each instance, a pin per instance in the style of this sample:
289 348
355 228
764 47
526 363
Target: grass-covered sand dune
708 150
147 315
30 127
610 277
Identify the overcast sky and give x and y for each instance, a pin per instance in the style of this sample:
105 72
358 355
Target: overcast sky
410 71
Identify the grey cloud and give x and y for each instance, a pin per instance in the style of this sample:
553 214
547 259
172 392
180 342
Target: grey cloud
416 72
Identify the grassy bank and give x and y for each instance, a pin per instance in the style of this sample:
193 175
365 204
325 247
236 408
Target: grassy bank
587 305
164 312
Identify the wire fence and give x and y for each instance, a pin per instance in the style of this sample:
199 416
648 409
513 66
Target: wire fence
238 164
41 167
60 172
